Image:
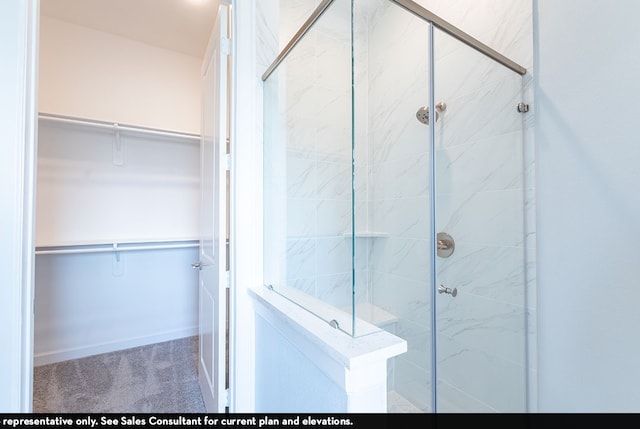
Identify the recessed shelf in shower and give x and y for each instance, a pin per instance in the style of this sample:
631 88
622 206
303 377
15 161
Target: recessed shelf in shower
367 234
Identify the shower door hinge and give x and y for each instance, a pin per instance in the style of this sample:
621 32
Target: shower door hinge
227 279
522 107
227 396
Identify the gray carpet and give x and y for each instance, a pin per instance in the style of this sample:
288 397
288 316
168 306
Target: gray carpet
158 378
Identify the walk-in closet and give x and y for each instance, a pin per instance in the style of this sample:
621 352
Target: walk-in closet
118 174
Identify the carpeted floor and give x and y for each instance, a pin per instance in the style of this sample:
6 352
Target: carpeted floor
158 378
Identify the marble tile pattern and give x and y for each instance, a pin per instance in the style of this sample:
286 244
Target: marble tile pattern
484 176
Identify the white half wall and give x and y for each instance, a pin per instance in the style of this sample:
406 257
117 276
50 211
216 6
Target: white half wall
588 176
306 365
302 387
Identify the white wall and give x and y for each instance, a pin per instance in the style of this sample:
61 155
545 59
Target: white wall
302 388
97 303
589 211
16 165
84 197
97 75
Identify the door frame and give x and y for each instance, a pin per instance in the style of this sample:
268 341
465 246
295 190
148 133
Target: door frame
21 208
245 253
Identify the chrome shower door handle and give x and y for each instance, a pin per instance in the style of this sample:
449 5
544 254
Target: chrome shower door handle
443 289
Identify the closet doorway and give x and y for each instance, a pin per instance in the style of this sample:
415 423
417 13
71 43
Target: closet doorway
119 196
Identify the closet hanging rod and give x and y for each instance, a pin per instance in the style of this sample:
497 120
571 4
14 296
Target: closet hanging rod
117 127
112 247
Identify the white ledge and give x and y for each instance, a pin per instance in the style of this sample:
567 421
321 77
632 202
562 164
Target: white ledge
311 335
367 234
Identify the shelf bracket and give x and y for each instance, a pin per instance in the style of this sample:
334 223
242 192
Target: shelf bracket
118 262
116 252
118 147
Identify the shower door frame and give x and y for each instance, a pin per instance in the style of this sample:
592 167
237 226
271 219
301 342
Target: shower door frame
415 9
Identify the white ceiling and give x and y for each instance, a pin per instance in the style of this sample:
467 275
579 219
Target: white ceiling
179 25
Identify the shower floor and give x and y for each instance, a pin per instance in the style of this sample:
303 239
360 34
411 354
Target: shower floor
397 403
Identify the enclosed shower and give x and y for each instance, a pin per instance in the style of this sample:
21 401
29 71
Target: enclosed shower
395 197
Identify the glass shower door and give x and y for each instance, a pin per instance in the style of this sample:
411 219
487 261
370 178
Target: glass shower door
480 299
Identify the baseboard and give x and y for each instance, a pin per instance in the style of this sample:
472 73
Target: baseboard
94 349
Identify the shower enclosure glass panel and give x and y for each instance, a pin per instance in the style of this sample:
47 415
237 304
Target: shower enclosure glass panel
481 331
308 180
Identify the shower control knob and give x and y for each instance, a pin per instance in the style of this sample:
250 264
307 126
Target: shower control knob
443 289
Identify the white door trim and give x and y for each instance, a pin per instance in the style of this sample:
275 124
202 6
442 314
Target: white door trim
30 138
246 203
20 126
